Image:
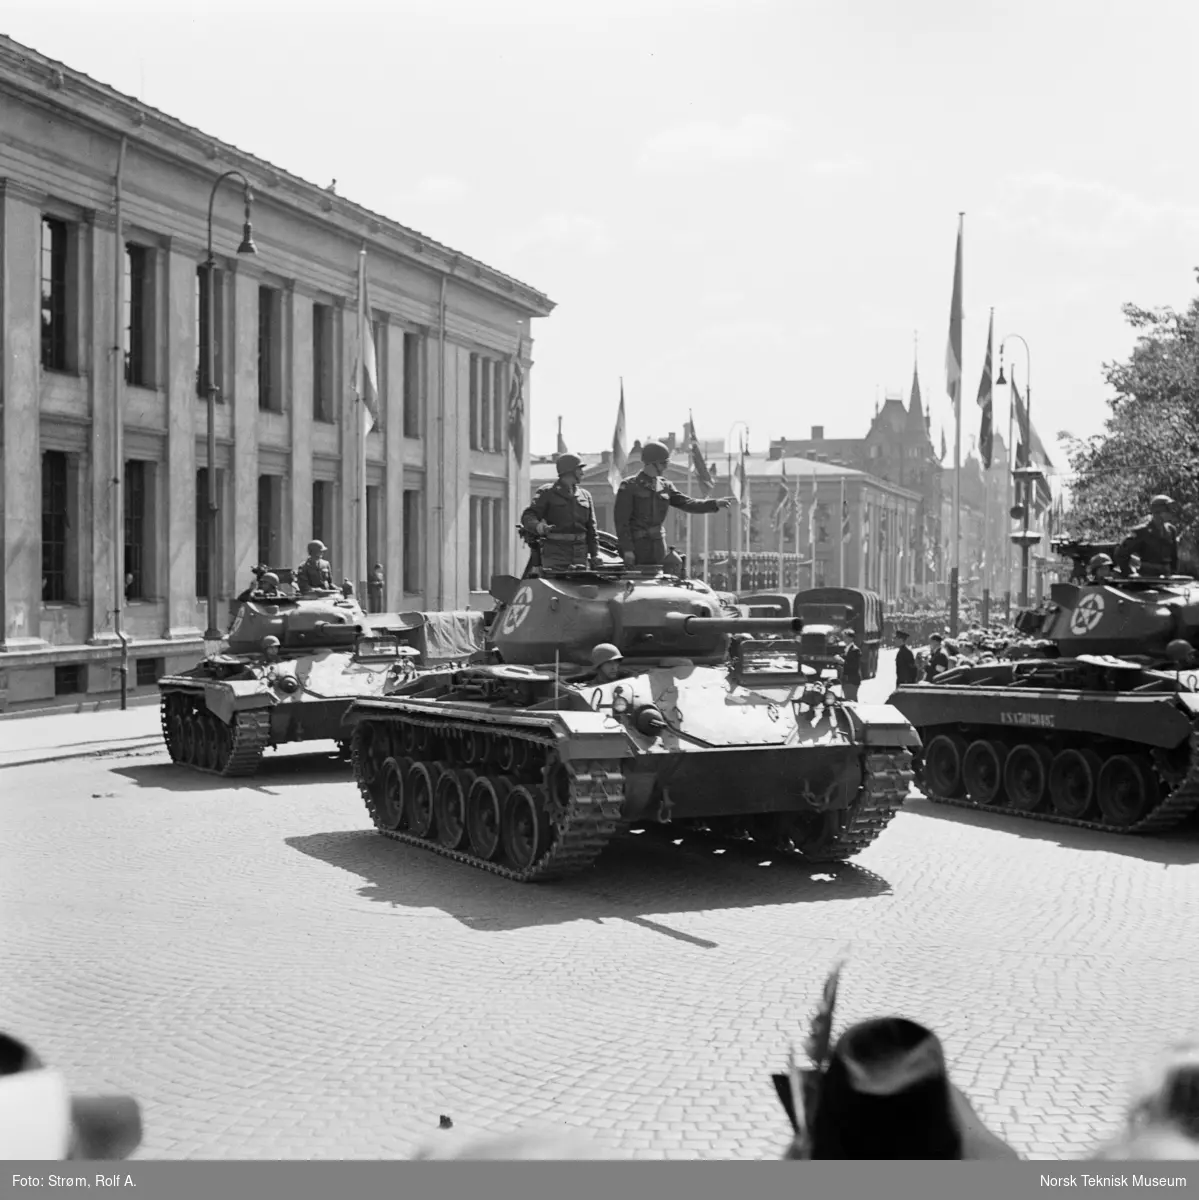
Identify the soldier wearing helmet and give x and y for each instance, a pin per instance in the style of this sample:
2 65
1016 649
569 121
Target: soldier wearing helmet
563 516
642 503
1099 568
315 574
605 665
1154 541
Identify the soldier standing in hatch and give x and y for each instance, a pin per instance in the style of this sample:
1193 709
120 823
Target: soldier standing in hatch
642 503
1154 541
315 574
563 516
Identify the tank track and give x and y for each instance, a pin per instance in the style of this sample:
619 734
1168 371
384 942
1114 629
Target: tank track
250 735
1178 805
582 829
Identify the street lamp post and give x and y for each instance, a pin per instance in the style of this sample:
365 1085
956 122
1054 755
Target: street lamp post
212 633
1025 474
735 560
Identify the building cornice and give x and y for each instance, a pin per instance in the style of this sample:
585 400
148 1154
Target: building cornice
57 88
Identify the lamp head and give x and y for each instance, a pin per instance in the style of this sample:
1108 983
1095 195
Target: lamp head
247 237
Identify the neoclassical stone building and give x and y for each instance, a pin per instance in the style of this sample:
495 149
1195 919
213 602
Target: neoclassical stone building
94 393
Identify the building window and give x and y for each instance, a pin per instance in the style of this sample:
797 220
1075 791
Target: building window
322 510
139 316
411 544
379 336
373 510
54 294
486 541
149 671
322 363
55 524
70 680
498 408
474 402
270 350
203 332
136 553
270 493
202 531
412 388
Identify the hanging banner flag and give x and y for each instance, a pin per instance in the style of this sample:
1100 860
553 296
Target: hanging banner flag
953 352
986 433
702 474
620 453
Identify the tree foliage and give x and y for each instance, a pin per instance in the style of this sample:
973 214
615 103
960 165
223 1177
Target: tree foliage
1150 442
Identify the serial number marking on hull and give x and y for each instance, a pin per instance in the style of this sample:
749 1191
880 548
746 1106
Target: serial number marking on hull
1042 720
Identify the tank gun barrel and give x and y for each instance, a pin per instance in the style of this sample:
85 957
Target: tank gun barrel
694 624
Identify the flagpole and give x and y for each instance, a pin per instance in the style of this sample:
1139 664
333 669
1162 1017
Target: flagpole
841 569
687 520
360 384
957 315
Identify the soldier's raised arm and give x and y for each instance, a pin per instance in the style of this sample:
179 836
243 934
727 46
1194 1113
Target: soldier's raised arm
1124 551
689 503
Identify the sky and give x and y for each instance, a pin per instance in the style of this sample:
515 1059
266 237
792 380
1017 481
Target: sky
745 209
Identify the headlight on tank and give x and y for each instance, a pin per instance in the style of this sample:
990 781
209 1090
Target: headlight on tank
289 684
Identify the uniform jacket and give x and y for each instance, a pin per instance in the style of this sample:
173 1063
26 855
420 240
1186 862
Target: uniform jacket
314 576
906 670
642 503
851 672
1150 546
572 516
938 661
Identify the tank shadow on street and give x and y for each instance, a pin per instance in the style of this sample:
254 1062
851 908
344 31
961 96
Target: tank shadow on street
636 875
1177 847
277 771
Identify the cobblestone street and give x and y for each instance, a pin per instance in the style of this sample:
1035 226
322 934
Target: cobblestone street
274 980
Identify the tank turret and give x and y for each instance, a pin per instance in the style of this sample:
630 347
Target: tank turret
648 616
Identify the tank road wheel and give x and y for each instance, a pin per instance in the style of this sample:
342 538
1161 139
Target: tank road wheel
982 771
525 830
367 743
943 765
418 796
1026 776
505 754
389 811
1126 789
449 806
813 836
484 812
212 742
1072 779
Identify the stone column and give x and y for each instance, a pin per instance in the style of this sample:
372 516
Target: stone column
457 488
433 569
20 510
242 403
392 523
345 338
179 382
297 325
99 251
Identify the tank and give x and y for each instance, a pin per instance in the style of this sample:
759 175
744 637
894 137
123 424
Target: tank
288 668
527 766
1096 727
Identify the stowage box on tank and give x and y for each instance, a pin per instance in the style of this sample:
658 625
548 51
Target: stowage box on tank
528 766
1101 732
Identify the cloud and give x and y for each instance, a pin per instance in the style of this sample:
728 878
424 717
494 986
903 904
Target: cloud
845 164
754 136
555 230
434 189
1083 213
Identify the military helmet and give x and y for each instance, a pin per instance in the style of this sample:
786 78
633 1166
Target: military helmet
268 580
655 452
270 642
1099 560
316 547
1161 504
567 463
605 652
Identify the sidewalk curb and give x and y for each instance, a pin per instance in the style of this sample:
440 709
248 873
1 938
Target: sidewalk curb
95 751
